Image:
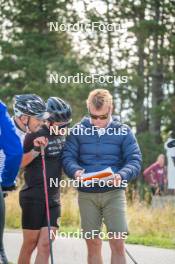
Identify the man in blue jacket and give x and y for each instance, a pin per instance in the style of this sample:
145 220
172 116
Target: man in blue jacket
10 159
96 143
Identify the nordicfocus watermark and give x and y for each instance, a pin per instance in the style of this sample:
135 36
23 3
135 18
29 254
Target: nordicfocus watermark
80 78
87 27
88 131
88 235
110 183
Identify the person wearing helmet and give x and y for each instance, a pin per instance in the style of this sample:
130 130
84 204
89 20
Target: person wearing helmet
59 110
32 196
10 159
29 113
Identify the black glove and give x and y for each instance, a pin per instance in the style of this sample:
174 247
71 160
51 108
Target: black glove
8 189
38 149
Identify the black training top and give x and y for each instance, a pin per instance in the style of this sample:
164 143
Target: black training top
33 173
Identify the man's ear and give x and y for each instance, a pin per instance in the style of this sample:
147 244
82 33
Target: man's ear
87 104
24 119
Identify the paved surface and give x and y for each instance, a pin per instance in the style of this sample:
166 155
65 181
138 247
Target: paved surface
73 251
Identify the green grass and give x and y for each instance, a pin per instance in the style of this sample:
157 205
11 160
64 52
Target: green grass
151 241
146 240
147 226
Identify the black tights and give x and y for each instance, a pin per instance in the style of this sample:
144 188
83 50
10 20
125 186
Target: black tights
3 258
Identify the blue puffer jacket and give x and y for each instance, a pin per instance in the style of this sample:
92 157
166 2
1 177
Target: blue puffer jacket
116 148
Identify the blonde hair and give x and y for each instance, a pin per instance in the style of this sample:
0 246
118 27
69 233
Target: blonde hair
98 98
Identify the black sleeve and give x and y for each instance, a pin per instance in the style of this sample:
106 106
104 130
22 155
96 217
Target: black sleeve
28 142
29 138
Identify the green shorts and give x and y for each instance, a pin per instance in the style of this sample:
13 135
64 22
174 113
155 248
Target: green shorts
98 208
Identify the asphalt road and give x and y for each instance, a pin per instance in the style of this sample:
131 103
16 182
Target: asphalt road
73 251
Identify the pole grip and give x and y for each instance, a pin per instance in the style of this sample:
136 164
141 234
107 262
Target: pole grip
42 150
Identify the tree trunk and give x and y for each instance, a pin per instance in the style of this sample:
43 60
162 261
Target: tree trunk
157 82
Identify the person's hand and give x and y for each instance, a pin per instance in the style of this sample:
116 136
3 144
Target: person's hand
40 141
78 175
165 180
116 180
154 184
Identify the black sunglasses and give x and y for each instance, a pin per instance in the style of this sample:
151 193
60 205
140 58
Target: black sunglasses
101 117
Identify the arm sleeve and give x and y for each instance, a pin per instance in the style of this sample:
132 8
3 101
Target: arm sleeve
12 148
28 142
150 169
132 157
70 156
